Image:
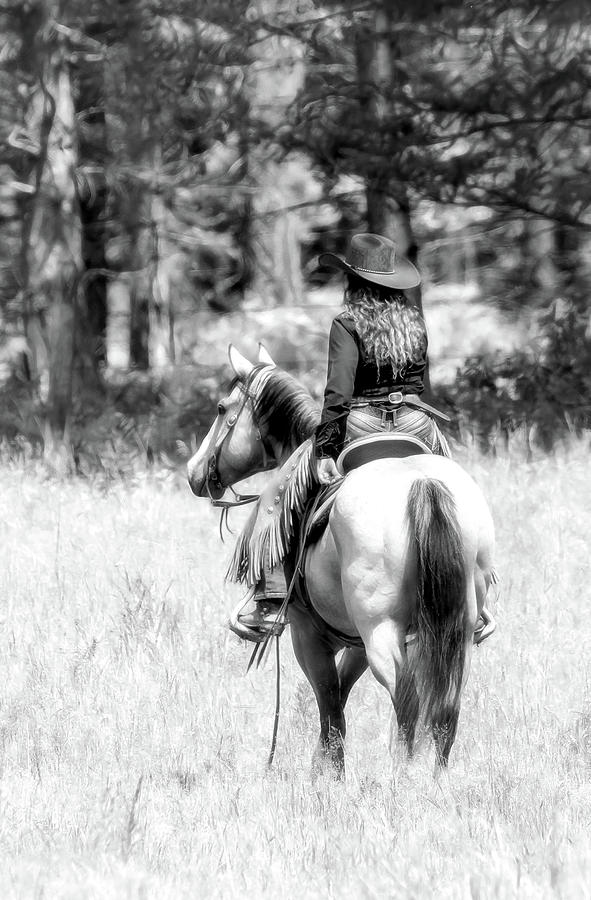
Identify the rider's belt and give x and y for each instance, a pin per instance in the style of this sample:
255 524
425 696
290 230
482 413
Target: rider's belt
393 401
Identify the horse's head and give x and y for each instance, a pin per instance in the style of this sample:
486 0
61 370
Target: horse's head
234 446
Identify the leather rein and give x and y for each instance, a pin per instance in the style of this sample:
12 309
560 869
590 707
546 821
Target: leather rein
219 438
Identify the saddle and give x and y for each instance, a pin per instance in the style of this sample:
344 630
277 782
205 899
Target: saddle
359 452
291 513
379 446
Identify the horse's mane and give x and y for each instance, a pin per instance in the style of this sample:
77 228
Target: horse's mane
287 412
285 409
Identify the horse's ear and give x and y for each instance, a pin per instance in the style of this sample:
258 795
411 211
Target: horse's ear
264 356
242 367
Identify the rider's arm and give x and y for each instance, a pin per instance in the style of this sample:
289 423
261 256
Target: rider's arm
343 357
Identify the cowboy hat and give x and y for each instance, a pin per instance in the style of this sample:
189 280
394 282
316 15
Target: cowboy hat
375 258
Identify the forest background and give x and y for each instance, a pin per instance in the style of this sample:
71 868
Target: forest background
170 170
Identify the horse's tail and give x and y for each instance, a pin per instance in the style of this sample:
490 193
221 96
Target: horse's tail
441 601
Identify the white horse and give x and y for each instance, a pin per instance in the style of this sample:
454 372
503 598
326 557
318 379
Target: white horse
408 550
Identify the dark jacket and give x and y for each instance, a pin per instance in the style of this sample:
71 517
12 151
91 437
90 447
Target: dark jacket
351 373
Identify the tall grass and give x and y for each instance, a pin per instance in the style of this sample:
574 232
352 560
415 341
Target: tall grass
133 745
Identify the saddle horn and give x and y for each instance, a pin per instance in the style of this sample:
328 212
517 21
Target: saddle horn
242 367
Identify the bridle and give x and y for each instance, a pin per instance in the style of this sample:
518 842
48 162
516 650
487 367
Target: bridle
221 434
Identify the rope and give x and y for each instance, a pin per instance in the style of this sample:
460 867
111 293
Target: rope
277 704
260 651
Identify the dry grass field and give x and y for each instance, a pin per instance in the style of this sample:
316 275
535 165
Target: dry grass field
133 745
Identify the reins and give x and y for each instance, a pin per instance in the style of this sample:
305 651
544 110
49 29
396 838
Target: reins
226 505
258 654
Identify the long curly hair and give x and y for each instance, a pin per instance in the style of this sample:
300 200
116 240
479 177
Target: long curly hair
390 330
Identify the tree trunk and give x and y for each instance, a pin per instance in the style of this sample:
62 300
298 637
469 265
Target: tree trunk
139 325
274 251
287 256
387 203
136 217
52 247
388 206
92 335
162 340
60 338
568 260
245 222
535 249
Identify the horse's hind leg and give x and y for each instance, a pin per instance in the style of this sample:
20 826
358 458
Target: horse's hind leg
352 664
316 657
384 645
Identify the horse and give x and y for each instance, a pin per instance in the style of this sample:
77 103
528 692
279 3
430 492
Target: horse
407 551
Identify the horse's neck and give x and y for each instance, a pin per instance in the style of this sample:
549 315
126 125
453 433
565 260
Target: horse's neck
283 450
303 416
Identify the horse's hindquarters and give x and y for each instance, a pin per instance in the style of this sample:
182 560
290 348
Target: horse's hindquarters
411 537
370 527
370 535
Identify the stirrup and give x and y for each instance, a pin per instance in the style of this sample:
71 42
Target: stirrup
269 618
260 625
484 631
234 624
481 633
